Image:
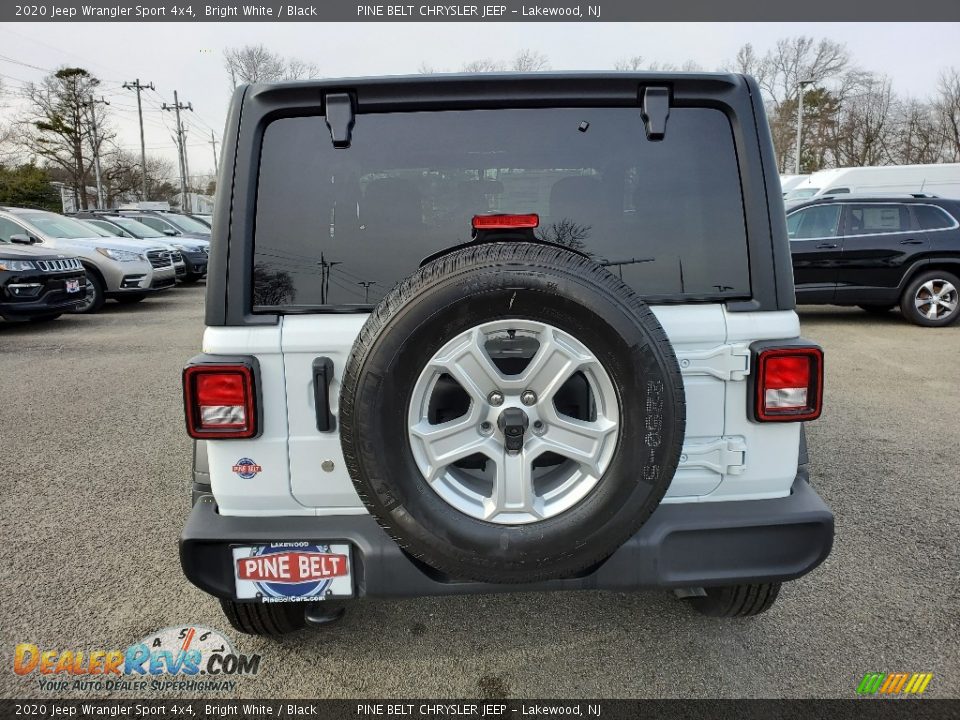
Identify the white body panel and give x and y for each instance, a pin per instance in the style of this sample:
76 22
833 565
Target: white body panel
940 179
725 456
789 182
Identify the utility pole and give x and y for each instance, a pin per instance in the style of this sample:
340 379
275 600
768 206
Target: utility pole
213 144
135 85
800 86
95 143
366 290
186 167
181 146
325 267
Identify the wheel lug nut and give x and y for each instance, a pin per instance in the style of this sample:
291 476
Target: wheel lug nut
495 398
529 397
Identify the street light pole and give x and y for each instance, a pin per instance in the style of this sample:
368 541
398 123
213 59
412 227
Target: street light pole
800 86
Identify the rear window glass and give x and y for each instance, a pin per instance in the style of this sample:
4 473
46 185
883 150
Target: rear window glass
339 227
932 218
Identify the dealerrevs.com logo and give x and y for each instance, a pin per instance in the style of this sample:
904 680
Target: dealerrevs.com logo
184 658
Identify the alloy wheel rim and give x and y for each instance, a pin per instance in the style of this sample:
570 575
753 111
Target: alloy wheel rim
561 458
936 299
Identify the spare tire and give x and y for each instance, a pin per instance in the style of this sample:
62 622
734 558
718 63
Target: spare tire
512 412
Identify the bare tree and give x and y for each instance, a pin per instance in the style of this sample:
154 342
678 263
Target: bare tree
530 61
637 63
865 132
779 72
272 287
801 58
686 66
565 232
484 65
947 107
298 69
9 150
58 128
122 174
920 137
633 63
255 64
747 61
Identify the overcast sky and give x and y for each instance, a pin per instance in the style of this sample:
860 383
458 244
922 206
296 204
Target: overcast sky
189 57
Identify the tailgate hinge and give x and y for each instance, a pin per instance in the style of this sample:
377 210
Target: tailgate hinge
340 118
726 456
654 110
725 362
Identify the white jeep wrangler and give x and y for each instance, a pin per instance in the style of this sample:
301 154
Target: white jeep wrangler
487 333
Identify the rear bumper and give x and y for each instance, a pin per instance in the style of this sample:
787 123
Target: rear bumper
683 545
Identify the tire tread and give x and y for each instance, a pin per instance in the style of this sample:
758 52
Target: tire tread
737 601
263 619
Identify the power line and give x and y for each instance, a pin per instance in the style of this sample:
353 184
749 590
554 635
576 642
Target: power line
4 58
56 49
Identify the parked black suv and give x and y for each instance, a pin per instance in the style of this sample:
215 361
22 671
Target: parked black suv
38 285
878 252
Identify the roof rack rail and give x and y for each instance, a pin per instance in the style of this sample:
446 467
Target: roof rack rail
873 196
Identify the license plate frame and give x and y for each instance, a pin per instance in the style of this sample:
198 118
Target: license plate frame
292 571
72 286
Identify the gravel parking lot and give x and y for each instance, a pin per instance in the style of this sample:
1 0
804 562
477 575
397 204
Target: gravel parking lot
98 472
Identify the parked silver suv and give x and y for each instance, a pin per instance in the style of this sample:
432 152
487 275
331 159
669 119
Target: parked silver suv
117 269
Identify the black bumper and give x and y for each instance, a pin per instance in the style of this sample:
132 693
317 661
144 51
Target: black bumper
196 263
53 299
687 545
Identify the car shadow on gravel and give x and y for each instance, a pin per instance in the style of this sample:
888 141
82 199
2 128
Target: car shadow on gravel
111 312
491 646
816 315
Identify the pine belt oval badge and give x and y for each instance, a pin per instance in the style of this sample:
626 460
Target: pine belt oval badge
246 468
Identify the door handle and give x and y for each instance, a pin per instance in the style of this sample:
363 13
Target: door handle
827 246
322 377
911 241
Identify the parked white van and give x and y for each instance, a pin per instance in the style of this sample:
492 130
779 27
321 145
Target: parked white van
789 182
940 179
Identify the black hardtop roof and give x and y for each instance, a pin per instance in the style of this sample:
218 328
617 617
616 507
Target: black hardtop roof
575 87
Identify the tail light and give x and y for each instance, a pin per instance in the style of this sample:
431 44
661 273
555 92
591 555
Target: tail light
789 384
505 222
220 401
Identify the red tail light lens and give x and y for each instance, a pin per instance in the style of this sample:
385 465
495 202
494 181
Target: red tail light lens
789 384
219 401
505 222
